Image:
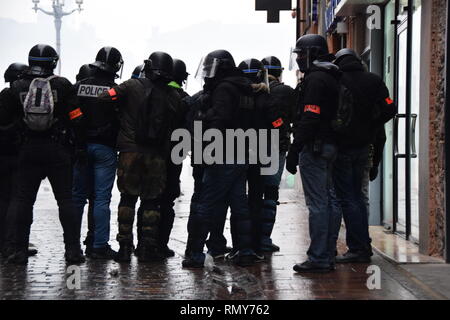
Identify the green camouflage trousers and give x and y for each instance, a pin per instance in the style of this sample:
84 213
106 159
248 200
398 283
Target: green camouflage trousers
141 174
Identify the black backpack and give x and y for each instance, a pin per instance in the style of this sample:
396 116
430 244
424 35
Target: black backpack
355 113
151 124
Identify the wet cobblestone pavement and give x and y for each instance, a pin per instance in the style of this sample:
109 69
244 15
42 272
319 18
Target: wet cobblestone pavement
45 275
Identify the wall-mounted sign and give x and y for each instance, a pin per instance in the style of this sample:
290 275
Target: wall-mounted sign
273 8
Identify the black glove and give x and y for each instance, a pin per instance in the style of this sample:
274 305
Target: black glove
373 173
81 157
292 161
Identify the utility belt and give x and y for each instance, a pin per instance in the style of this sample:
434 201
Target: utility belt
57 134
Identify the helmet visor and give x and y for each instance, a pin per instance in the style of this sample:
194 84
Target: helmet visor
258 75
207 68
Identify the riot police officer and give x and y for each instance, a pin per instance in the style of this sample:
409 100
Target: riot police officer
265 115
222 183
144 148
138 72
85 72
48 112
172 191
285 99
9 149
94 175
361 145
314 148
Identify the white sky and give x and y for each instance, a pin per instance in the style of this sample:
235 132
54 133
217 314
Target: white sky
186 29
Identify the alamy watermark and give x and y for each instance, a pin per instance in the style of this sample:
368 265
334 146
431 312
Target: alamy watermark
374 280
374 19
73 281
234 146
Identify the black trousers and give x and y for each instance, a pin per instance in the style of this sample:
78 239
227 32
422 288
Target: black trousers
170 194
8 171
39 159
255 203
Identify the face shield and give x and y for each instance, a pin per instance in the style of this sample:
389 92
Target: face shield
292 60
207 68
300 60
121 64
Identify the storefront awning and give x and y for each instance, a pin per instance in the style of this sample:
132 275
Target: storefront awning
343 8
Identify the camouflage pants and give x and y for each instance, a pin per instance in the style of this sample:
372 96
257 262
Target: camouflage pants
140 176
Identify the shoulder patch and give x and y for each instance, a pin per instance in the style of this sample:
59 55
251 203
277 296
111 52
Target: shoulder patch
91 91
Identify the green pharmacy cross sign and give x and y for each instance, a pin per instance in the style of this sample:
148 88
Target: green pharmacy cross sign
273 8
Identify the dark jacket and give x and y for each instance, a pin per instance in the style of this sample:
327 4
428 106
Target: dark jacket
226 102
285 99
317 106
131 96
371 95
9 132
69 127
101 117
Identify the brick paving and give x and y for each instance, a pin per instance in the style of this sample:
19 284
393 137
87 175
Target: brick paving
45 275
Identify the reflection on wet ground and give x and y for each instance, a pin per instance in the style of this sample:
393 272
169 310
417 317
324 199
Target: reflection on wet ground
45 275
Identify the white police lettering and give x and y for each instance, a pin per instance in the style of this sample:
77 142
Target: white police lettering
91 91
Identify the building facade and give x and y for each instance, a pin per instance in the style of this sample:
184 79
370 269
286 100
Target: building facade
405 42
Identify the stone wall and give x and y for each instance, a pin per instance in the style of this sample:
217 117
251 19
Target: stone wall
437 129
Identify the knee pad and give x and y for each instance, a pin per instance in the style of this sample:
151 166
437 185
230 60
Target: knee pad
126 215
127 200
271 193
150 218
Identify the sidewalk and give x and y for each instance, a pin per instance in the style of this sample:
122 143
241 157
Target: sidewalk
45 275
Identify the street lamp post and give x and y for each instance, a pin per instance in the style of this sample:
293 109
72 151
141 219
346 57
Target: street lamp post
58 13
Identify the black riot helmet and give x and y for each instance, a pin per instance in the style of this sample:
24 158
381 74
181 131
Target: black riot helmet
180 74
14 72
42 60
273 66
215 63
254 70
86 71
137 72
159 66
346 52
309 48
110 60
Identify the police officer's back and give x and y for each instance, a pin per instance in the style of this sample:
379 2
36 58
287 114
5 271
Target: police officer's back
284 97
148 109
9 148
94 174
46 149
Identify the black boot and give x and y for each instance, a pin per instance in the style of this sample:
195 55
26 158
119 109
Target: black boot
150 254
167 252
74 255
105 253
19 258
311 267
124 254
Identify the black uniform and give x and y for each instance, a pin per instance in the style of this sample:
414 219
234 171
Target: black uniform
9 149
172 190
285 99
266 115
372 108
45 154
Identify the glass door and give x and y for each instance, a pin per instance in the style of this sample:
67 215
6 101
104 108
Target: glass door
406 142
